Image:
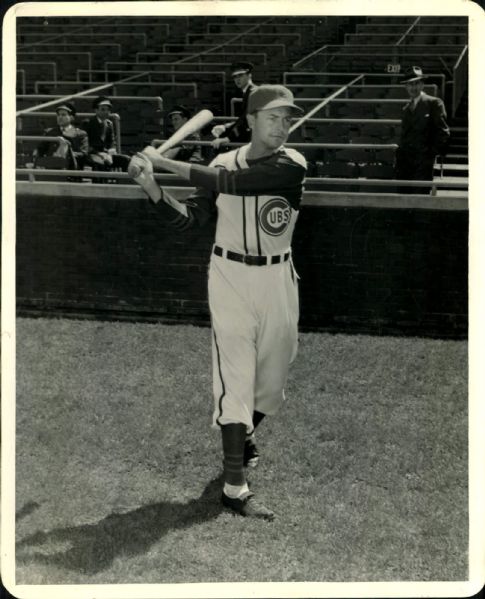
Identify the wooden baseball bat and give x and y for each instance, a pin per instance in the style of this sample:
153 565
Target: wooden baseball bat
199 120
196 123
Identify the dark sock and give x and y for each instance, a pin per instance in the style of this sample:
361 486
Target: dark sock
233 437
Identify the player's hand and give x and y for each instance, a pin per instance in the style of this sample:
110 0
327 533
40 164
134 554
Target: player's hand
139 164
218 130
154 157
220 141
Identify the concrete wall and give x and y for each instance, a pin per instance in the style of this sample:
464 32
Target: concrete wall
379 265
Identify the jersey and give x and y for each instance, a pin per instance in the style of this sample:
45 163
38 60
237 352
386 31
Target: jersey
256 201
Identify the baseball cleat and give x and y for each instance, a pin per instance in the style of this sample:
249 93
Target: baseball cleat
251 454
247 506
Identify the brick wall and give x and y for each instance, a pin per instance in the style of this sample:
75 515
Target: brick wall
368 269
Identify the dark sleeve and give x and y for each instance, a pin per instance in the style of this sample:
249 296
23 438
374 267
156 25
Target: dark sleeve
266 177
441 131
82 146
199 207
45 148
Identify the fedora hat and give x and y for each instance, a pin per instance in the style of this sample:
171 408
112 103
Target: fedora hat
413 74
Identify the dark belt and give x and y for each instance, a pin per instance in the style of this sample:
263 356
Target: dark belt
251 260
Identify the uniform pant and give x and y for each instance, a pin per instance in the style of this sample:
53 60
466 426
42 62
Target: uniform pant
254 313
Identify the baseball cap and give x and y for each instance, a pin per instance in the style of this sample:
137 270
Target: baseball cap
413 74
238 68
265 97
102 101
68 107
180 109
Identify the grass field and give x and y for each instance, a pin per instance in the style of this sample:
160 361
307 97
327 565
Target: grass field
118 468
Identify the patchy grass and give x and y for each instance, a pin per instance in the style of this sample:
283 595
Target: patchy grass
118 469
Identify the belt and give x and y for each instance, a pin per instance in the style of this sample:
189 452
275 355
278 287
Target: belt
250 260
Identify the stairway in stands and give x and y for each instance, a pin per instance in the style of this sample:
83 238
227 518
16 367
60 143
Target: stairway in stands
455 163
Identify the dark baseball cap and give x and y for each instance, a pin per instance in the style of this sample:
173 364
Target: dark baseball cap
265 97
180 109
238 68
102 101
68 107
413 74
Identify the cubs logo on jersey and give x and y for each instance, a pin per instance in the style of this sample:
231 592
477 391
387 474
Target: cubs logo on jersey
274 217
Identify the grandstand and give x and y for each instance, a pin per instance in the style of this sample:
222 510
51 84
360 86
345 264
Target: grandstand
349 67
345 71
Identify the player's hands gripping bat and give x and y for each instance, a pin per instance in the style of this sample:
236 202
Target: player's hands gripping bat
196 123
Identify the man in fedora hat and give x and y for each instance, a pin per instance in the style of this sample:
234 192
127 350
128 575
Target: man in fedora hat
255 193
72 148
424 133
103 155
237 131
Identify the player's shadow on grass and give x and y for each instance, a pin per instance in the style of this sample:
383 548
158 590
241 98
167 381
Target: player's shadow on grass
91 548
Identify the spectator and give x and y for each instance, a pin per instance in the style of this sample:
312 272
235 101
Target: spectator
177 117
424 133
73 147
103 155
239 130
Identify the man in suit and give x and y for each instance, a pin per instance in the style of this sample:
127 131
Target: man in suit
102 138
424 133
72 149
237 131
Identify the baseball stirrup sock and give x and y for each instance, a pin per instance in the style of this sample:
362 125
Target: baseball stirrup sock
233 438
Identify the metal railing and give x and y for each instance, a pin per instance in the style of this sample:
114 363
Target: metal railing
86 36
171 75
76 95
63 55
34 64
315 74
181 56
118 85
434 185
460 79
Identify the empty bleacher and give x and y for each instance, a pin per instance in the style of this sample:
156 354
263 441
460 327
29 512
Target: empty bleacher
185 59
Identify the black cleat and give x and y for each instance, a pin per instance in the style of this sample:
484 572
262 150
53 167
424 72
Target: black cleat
247 506
251 454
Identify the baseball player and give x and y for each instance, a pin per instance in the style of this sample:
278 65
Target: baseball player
253 290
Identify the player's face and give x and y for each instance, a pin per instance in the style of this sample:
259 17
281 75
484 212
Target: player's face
241 80
177 120
103 111
64 118
414 88
270 128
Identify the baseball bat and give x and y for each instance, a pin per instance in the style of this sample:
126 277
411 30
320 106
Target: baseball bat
196 123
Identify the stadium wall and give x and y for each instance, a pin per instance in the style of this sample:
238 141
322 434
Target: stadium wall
373 264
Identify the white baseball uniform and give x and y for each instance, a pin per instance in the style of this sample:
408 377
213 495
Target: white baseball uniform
253 288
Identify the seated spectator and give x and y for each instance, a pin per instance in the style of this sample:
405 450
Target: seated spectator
178 116
102 139
72 150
